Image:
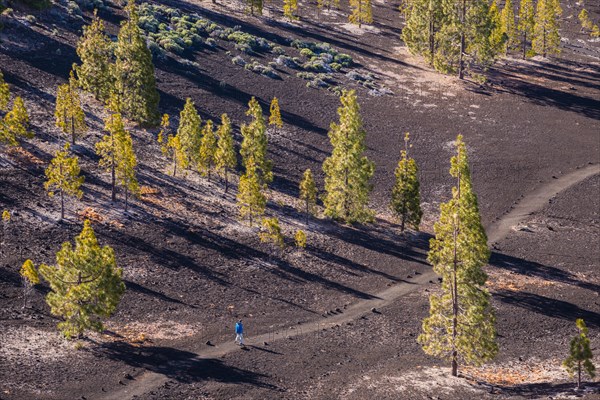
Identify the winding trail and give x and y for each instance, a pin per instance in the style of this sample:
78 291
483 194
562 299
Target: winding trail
531 203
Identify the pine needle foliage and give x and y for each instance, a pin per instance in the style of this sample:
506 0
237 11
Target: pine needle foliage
135 82
189 134
110 148
526 23
69 114
4 93
271 232
300 239
508 25
275 114
290 8
208 148
347 170
85 284
254 143
15 124
95 50
461 324
308 193
580 354
63 177
250 198
406 199
546 38
29 273
225 155
361 12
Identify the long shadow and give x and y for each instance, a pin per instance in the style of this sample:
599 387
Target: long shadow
532 268
550 307
149 292
541 95
179 365
545 389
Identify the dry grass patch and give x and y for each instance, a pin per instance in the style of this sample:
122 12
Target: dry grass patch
517 373
506 280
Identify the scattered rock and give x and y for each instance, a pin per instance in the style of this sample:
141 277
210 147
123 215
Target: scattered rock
128 377
208 343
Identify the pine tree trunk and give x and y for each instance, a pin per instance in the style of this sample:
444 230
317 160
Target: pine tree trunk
126 197
462 41
359 13
455 290
226 181
544 42
62 205
307 210
174 167
578 374
113 194
73 131
524 44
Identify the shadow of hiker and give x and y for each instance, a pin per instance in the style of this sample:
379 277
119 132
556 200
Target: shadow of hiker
179 365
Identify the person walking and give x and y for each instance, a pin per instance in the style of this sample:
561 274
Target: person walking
239 333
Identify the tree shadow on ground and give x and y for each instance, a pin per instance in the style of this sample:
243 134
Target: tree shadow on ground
179 365
547 390
532 268
549 307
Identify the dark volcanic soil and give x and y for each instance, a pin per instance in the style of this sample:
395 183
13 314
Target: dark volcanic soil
191 268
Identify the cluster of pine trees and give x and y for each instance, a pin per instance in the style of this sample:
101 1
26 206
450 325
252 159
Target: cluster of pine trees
456 35
15 122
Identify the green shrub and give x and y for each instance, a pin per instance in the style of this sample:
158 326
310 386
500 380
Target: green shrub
308 53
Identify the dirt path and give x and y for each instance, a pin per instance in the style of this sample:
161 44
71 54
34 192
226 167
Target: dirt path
529 204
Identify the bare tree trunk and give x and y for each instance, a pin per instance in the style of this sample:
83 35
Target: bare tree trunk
455 292
126 197
461 62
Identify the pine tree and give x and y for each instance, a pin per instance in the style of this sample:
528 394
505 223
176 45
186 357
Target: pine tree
290 7
361 12
85 284
526 23
175 152
189 134
254 143
464 36
275 114
308 193
508 25
70 117
498 37
4 93
595 31
271 232
546 39
580 354
584 18
255 6
126 165
30 278
347 171
163 134
208 148
225 157
406 199
109 148
15 124
63 177
251 199
460 326
95 51
300 239
423 22
135 82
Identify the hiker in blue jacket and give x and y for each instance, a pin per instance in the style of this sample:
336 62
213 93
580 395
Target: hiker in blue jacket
239 333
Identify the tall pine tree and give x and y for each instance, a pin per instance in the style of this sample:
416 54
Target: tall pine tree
406 199
508 25
361 12
251 198
208 147
424 19
225 156
275 114
135 82
4 93
109 148
126 165
461 323
95 50
63 177
546 39
189 134
347 170
69 115
497 38
254 143
308 193
15 124
85 284
526 23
